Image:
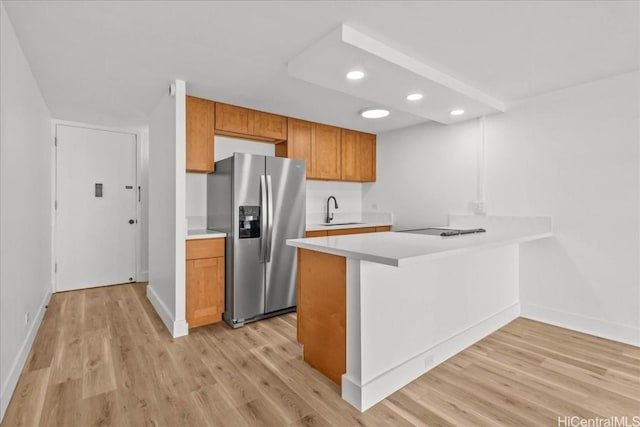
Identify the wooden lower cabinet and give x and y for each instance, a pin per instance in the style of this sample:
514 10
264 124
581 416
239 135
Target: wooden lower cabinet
204 281
322 299
319 233
322 304
343 231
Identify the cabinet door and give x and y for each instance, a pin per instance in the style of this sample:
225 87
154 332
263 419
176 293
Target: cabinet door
233 120
300 143
358 156
200 125
205 291
322 299
327 152
269 126
367 154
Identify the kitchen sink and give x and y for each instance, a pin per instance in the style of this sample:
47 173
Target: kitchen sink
331 224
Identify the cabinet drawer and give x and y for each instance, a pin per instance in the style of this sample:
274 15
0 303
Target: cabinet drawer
320 233
361 230
205 248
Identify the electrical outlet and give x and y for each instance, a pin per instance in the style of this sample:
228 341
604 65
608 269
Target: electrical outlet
26 318
478 207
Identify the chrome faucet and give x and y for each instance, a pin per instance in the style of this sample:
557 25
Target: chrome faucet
329 217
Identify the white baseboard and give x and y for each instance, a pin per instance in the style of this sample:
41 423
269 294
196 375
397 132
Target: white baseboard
177 328
366 395
18 363
588 325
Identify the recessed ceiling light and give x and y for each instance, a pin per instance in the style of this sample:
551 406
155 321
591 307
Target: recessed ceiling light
414 97
374 113
457 112
355 75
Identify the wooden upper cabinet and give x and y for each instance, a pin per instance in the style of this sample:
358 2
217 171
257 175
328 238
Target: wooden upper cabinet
327 148
245 123
299 143
358 156
267 125
200 131
317 144
233 120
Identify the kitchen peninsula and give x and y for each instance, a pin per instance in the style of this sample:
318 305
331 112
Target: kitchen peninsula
376 311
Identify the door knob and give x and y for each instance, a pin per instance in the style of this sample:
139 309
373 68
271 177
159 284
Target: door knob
131 221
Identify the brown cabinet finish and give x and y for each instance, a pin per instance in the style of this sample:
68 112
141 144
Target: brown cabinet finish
200 132
358 156
321 309
299 144
319 233
331 153
272 126
322 299
343 231
233 120
205 248
315 143
204 281
242 122
327 152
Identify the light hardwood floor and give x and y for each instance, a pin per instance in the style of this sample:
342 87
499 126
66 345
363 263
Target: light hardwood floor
103 357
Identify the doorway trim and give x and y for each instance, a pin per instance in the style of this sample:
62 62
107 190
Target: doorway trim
137 133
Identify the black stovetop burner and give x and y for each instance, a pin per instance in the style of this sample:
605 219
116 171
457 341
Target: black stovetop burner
445 232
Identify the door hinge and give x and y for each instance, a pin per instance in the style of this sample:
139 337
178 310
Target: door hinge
55 268
55 141
55 204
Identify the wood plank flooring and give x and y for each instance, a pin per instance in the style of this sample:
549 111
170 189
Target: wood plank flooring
102 357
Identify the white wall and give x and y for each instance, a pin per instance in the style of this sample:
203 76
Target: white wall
348 195
571 154
166 289
424 173
26 210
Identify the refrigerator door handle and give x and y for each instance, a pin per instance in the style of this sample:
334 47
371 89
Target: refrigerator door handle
269 218
264 226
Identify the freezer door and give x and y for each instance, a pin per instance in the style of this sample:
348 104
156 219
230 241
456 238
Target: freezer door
288 198
248 288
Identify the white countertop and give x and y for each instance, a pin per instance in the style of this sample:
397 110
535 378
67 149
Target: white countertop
320 227
204 234
396 249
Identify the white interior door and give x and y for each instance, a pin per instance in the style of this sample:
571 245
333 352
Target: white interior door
96 198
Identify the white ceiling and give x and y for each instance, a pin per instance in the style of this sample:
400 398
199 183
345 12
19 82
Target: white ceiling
110 62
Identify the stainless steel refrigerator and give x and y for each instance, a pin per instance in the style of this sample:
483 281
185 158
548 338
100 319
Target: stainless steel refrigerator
259 201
